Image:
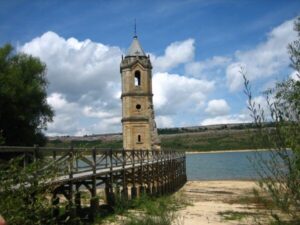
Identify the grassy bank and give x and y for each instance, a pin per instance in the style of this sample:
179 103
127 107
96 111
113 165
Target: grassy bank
218 139
146 210
211 140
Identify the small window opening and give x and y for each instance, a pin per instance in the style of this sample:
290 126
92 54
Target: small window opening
139 138
138 106
137 78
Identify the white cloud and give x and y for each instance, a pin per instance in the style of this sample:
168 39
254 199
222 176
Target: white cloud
84 87
267 59
175 54
77 67
210 66
176 94
227 119
90 112
217 107
66 115
84 82
295 75
234 76
164 121
59 103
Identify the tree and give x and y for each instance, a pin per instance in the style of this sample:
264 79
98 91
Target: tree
280 175
24 111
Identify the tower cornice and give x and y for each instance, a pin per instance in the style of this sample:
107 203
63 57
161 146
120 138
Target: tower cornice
132 94
130 61
135 119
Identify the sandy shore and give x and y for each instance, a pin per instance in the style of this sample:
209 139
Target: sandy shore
217 203
223 151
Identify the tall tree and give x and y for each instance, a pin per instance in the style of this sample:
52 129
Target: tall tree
24 111
280 175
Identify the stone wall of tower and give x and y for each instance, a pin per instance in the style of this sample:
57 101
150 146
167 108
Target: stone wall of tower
139 129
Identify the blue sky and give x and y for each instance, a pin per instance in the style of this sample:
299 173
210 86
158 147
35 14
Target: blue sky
196 47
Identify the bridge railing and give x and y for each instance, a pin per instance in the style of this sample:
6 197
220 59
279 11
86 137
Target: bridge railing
74 161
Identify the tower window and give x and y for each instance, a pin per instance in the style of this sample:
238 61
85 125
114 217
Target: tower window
139 138
137 78
138 106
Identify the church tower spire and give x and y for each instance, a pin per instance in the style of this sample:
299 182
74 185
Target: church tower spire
139 128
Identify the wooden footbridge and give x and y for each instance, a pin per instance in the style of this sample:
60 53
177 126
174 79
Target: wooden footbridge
122 174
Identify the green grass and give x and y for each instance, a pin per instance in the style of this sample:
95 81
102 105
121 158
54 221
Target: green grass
191 141
147 210
233 215
207 141
155 211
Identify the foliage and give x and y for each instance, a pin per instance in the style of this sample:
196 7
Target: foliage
150 210
154 211
23 193
233 215
1 138
281 174
24 110
26 192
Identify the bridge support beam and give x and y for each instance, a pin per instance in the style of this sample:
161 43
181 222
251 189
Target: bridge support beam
55 205
110 198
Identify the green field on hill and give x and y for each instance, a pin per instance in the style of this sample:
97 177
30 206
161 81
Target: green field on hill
204 140
211 141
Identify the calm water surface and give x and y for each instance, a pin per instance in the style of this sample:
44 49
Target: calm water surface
222 166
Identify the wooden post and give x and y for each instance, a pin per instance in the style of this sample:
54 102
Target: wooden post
148 176
94 202
77 198
55 207
124 178
141 175
133 188
109 189
71 208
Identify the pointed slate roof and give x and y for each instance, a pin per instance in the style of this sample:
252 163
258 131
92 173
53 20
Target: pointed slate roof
135 48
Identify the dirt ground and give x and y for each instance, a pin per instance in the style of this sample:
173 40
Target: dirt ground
218 203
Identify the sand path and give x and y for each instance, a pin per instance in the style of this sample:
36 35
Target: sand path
210 199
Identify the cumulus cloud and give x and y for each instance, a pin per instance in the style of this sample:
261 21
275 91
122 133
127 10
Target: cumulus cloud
211 66
66 115
77 67
164 121
217 107
175 54
266 59
174 93
70 118
84 84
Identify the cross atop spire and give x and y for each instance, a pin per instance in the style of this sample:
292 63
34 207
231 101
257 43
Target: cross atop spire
135 48
135 28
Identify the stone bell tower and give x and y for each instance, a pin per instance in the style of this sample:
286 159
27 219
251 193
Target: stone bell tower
139 128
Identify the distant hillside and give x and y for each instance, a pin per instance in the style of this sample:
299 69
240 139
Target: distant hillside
196 138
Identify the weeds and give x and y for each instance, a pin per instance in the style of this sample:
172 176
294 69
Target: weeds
148 210
233 215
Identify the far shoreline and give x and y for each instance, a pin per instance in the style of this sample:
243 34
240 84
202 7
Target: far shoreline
224 151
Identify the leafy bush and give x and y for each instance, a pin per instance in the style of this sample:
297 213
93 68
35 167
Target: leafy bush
280 176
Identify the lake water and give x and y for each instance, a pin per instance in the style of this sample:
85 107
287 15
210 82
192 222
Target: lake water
222 166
